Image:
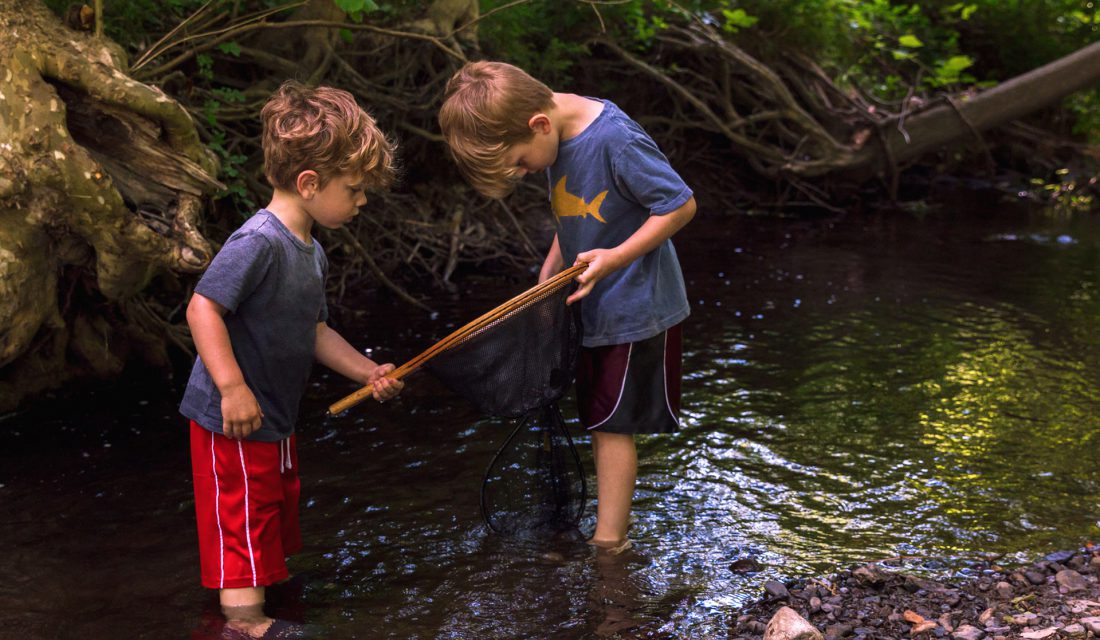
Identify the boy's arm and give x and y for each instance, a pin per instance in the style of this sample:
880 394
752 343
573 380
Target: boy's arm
333 351
652 233
552 264
241 413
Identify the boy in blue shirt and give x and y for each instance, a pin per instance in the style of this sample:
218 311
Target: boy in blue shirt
617 203
258 317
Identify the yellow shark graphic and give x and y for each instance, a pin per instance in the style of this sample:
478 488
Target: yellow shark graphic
567 205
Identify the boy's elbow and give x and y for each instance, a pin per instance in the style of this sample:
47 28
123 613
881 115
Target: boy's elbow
193 310
687 211
201 307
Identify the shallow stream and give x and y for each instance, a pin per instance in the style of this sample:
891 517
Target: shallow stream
856 388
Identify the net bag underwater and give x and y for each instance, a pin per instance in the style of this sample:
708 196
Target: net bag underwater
516 362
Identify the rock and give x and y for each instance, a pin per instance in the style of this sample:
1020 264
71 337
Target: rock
945 622
1083 606
776 590
836 631
967 632
922 627
871 574
912 617
745 565
786 624
1035 577
1040 634
815 604
1092 623
1069 581
986 615
1072 631
1094 564
1005 590
1061 557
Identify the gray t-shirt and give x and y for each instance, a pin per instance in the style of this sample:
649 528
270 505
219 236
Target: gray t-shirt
273 288
604 185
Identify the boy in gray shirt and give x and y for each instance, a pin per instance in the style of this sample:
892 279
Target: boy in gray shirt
258 318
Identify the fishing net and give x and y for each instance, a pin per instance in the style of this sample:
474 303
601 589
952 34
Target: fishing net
534 487
516 362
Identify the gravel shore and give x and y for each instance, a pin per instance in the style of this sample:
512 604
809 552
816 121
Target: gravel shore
1055 597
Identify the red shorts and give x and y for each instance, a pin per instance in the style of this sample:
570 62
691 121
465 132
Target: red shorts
246 505
632 388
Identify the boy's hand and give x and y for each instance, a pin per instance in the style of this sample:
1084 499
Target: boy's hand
601 263
241 414
384 388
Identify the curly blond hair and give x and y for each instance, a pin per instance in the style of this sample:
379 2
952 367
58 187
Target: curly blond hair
323 129
486 110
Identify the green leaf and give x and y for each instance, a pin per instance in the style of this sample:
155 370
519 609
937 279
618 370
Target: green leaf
357 6
206 65
738 19
228 94
910 41
956 64
230 48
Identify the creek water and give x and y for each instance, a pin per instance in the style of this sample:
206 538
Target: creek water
856 388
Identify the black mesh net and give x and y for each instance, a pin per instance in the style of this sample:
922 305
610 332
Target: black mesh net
520 362
517 367
534 487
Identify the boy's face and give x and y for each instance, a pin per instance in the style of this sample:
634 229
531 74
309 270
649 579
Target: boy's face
337 202
537 153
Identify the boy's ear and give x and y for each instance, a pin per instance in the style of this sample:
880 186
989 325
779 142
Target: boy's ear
540 123
308 183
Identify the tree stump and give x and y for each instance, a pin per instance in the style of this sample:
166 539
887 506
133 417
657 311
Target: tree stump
102 181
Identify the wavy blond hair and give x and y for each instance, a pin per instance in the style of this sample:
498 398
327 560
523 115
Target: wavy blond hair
323 129
486 109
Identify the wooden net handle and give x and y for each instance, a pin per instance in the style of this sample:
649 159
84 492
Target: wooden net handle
460 334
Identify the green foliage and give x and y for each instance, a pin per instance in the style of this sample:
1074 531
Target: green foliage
1065 193
1085 106
136 24
737 19
886 48
232 163
544 38
357 9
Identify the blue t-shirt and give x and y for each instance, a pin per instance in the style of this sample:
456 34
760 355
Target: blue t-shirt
273 288
604 185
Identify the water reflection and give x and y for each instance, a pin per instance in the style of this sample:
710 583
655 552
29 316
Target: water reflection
854 389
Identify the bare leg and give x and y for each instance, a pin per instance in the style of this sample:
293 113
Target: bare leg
616 471
244 610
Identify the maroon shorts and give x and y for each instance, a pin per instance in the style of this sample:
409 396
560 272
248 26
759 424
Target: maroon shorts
632 388
246 505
